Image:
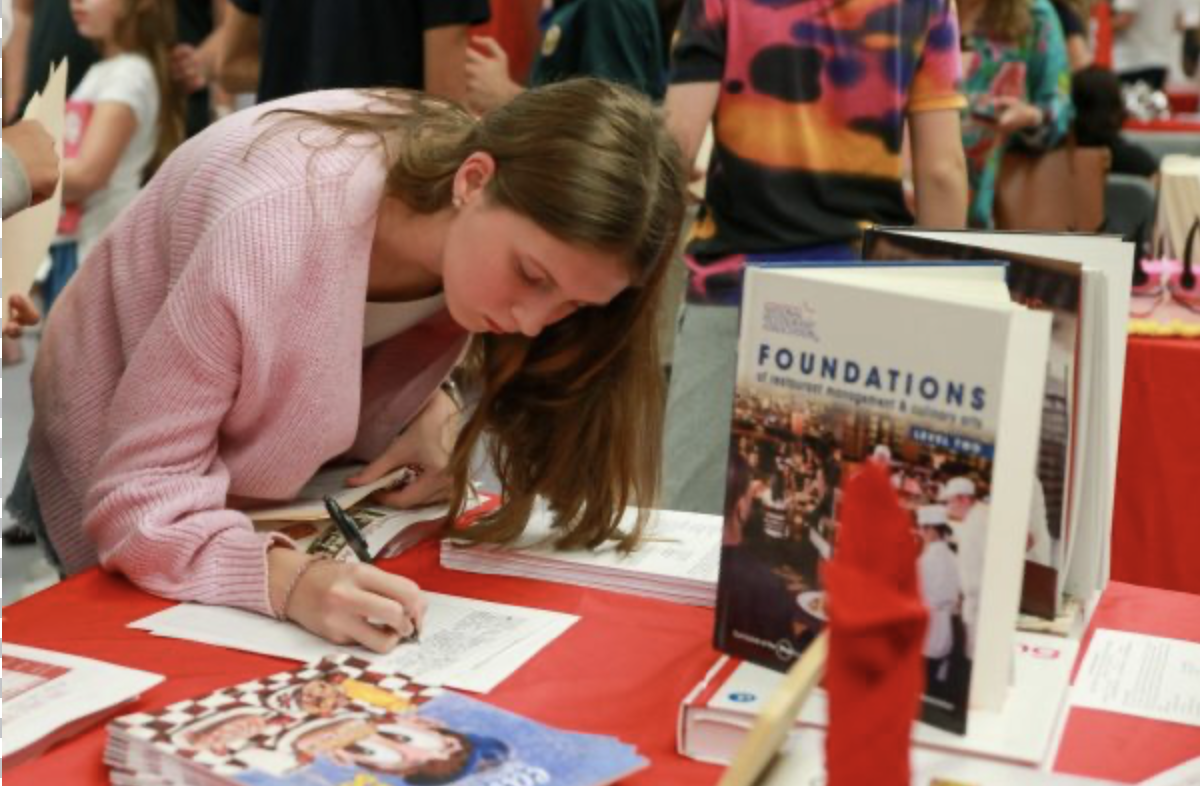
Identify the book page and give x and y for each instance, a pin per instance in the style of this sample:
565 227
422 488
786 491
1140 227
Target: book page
27 235
1146 676
467 644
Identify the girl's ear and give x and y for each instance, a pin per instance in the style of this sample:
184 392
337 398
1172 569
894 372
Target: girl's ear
472 177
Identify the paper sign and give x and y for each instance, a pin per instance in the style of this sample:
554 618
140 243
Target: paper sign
28 234
1146 676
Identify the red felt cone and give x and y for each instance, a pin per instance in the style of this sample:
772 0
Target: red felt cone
876 673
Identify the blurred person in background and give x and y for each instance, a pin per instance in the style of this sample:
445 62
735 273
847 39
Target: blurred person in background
1073 16
1018 88
294 47
619 40
809 110
1145 39
1099 115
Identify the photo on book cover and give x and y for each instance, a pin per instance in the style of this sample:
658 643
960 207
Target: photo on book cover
1045 285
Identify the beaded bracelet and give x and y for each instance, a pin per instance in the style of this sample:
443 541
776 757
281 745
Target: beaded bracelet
281 615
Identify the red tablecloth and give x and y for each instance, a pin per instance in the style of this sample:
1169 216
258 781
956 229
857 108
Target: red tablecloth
621 670
1121 747
1156 516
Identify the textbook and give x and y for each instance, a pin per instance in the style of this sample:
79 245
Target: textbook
49 697
677 560
1082 281
719 711
337 722
928 369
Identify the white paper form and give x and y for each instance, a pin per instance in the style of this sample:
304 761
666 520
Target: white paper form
1146 676
471 645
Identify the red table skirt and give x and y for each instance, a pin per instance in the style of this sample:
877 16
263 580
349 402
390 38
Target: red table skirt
1156 518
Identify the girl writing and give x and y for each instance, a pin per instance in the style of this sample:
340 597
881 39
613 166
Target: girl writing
292 288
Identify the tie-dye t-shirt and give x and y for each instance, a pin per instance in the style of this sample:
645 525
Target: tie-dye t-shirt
810 119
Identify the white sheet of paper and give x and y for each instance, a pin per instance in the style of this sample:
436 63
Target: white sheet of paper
27 235
1186 774
467 644
1146 676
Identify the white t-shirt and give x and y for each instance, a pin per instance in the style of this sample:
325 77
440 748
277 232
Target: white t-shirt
384 320
127 79
1151 41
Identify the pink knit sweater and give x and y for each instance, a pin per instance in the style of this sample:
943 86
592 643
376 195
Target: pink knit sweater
212 346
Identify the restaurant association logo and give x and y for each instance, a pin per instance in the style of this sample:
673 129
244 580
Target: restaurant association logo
791 319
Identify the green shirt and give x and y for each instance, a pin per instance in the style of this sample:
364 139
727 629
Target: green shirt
617 40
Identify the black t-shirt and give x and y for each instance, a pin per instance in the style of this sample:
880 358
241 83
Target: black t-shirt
52 36
611 39
320 44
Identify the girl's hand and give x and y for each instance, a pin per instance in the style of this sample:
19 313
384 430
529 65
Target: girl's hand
488 83
187 70
21 314
1013 115
428 442
344 602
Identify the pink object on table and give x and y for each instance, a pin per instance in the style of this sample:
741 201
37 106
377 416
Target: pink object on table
875 675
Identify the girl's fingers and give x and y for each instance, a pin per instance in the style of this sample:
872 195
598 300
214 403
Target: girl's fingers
394 588
377 468
375 638
385 612
427 489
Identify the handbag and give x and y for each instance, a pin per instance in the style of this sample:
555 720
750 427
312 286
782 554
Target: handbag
1059 190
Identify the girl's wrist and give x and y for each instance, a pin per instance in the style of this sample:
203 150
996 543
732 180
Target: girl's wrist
282 564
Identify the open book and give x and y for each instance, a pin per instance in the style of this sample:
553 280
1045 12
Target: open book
931 369
388 531
1082 281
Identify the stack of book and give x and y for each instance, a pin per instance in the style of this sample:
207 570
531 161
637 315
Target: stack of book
718 713
676 562
339 722
983 372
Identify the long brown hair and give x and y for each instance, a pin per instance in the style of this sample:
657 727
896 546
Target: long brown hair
147 27
574 415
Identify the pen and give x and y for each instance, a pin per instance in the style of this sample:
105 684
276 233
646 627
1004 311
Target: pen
358 544
349 530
